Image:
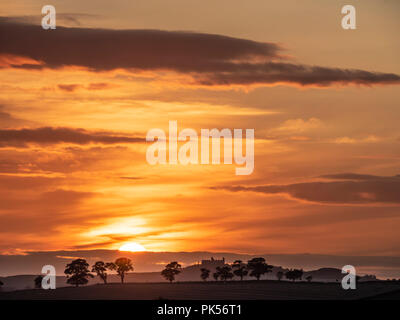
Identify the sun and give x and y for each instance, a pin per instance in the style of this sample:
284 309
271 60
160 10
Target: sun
132 246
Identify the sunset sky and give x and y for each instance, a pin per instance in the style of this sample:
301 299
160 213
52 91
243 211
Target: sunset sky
76 104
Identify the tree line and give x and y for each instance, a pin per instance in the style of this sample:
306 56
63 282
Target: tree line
255 267
78 272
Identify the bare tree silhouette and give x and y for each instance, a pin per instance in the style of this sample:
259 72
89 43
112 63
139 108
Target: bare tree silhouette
279 275
77 272
171 270
121 266
101 270
239 269
205 273
258 267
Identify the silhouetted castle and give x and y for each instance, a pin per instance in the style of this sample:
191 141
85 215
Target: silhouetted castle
212 263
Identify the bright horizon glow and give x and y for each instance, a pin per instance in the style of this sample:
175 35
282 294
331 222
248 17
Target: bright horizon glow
132 247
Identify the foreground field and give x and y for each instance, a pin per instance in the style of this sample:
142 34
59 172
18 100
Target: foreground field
235 290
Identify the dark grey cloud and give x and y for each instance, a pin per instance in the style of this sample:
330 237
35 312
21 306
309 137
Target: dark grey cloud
50 135
71 87
102 49
64 19
350 189
355 176
282 72
68 87
208 58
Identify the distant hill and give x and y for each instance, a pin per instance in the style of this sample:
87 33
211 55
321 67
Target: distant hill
190 273
32 262
332 275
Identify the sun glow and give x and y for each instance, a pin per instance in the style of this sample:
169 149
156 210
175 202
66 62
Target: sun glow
132 246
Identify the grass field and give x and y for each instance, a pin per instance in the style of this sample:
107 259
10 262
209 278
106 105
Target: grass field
234 290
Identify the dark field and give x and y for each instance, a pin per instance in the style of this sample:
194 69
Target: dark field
235 290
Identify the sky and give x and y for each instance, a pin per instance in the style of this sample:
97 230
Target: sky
76 104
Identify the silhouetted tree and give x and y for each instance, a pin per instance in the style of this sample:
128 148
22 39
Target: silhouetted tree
290 275
216 276
205 273
171 270
77 272
279 275
309 278
101 270
258 267
121 266
239 269
38 282
294 274
299 273
224 272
